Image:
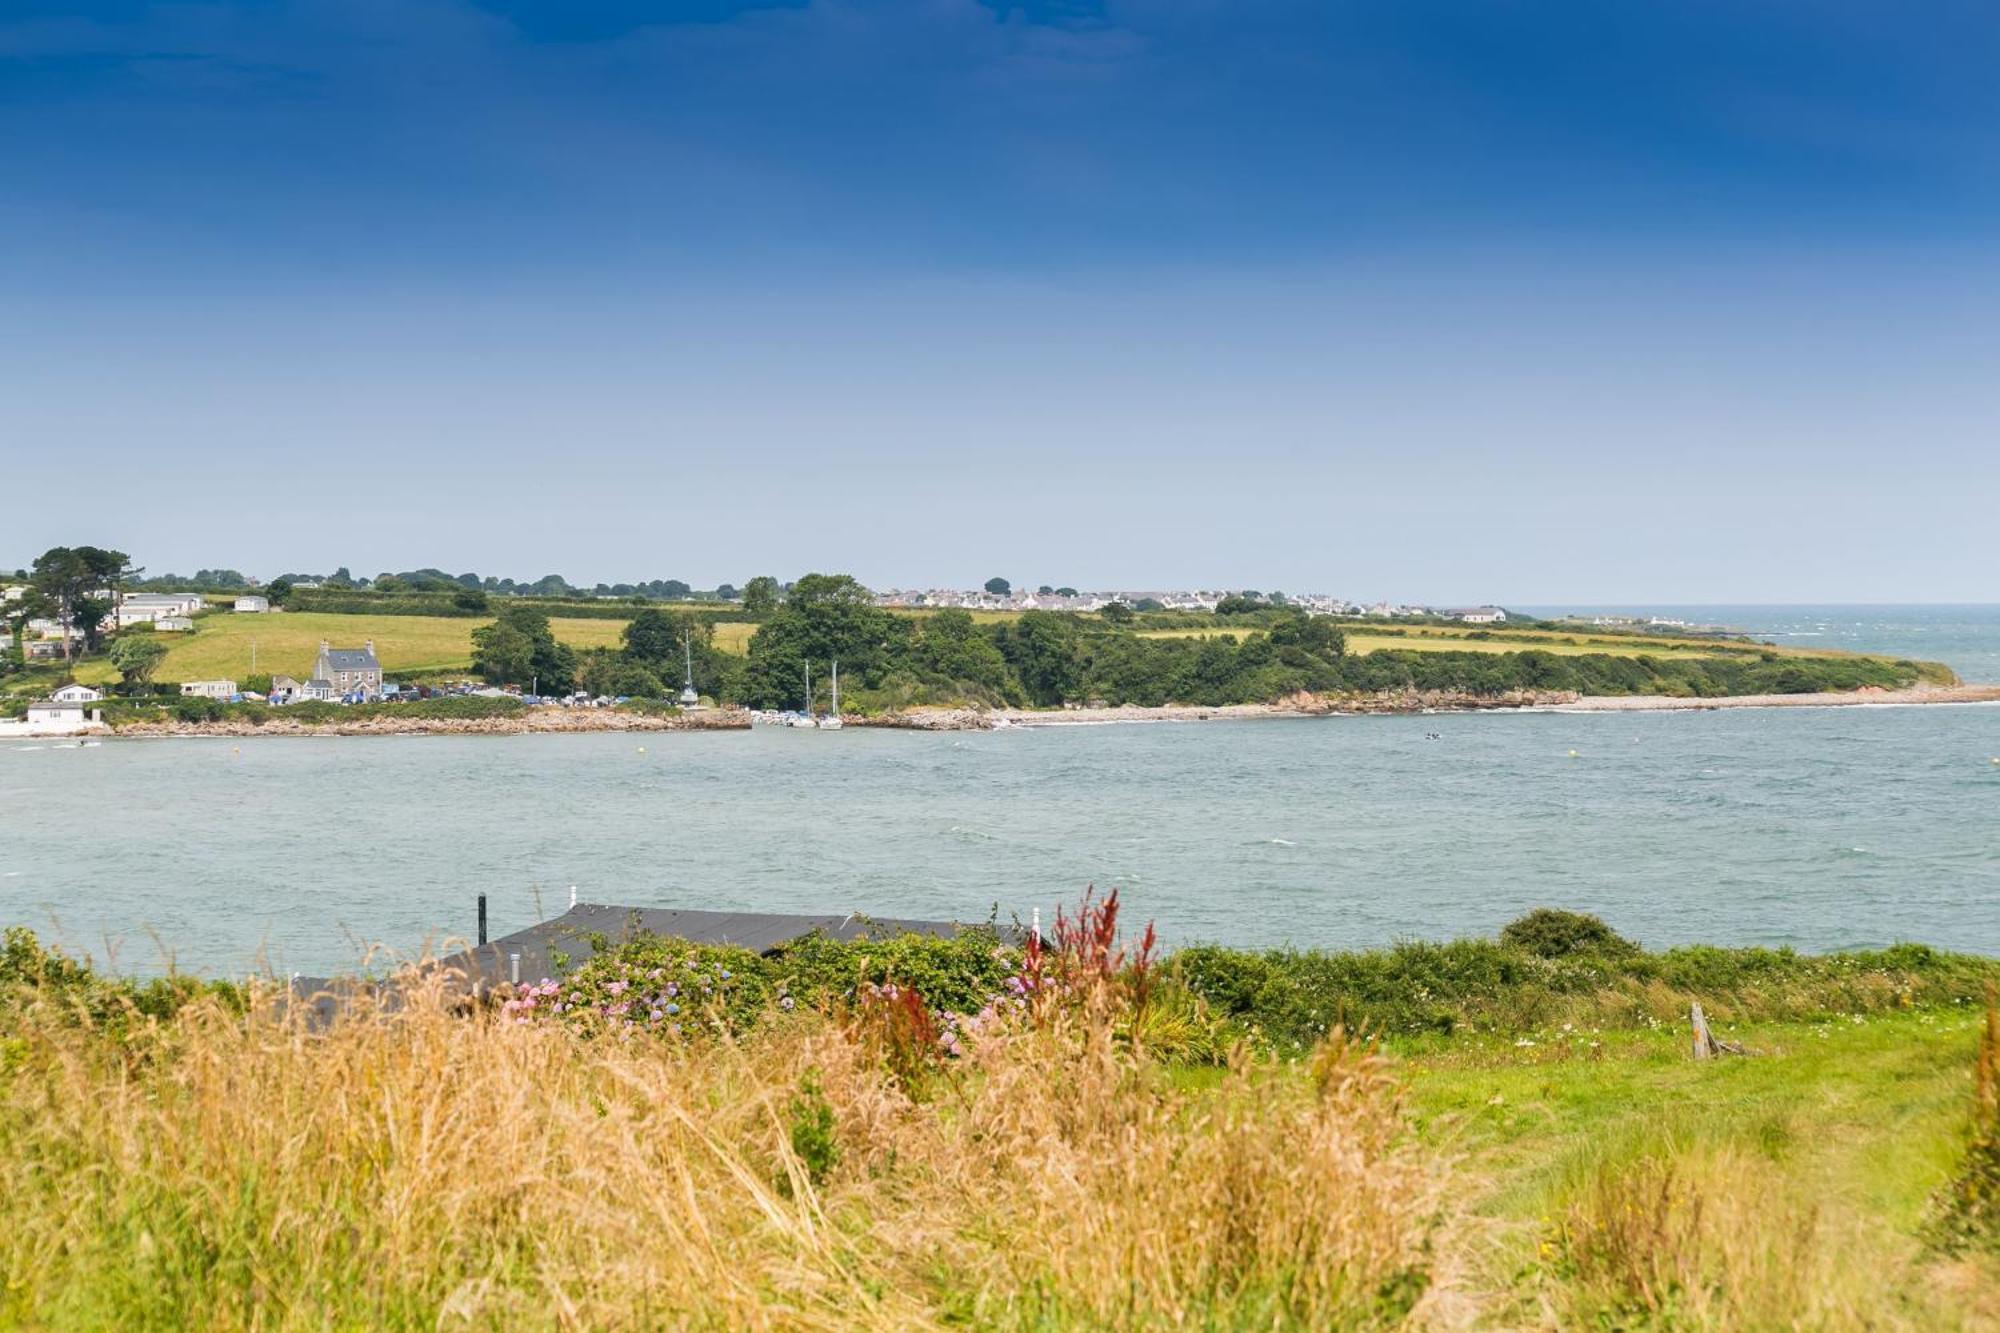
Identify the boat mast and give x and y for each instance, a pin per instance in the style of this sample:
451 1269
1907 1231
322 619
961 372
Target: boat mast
836 687
809 689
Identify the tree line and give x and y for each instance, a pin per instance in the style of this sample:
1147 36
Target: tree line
1046 659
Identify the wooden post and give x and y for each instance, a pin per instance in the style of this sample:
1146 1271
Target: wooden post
482 918
1704 1044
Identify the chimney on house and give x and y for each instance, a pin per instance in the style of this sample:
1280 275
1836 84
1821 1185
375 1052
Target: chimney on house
371 647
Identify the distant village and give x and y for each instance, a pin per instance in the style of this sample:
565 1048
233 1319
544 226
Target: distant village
353 674
1069 599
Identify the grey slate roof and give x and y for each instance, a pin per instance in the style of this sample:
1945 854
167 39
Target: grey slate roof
351 659
570 935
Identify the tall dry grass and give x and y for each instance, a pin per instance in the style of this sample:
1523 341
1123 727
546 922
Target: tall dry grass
1699 1237
411 1169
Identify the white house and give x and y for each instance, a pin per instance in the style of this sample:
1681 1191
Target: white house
1477 615
46 717
139 608
173 625
209 689
73 693
253 604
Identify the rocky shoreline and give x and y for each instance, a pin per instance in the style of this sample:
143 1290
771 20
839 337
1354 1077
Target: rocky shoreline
551 720
537 721
1413 701
1298 705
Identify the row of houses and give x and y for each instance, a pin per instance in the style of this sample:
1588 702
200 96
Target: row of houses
1318 604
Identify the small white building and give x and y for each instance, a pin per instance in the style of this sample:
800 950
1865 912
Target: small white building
1477 615
209 689
74 693
140 608
47 627
173 625
46 717
253 604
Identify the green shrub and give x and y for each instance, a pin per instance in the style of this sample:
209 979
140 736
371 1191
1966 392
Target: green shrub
33 976
954 974
668 987
811 1132
1549 932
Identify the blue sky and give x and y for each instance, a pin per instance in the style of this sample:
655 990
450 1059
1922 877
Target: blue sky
1588 302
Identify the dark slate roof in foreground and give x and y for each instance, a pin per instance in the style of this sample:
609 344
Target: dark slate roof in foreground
554 947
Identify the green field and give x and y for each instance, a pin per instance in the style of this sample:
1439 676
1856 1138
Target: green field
222 645
1792 1181
1446 641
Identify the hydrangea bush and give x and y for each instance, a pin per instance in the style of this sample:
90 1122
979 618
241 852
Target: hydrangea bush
664 986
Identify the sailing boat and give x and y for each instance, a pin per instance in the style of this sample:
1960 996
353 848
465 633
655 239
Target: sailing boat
689 699
831 722
805 717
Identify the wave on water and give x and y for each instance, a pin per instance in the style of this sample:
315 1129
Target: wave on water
1280 842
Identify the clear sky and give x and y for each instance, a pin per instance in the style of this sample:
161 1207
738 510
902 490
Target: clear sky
1541 302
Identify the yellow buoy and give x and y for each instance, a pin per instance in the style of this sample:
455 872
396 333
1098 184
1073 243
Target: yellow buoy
642 749
1572 754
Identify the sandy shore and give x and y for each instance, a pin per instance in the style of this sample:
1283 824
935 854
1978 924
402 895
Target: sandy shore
1921 694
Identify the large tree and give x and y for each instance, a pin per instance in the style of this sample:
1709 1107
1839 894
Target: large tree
827 618
520 649
760 596
137 657
79 586
1041 647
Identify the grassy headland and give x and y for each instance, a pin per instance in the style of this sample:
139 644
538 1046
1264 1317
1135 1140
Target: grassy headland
942 1134
895 661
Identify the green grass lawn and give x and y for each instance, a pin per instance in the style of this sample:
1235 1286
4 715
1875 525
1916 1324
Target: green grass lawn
1848 1127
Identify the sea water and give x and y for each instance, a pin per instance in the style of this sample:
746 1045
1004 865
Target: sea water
1818 828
